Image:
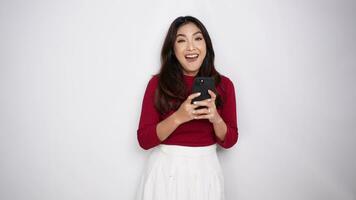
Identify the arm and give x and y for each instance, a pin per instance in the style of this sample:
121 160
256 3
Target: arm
167 126
225 125
151 130
220 129
146 132
229 120
182 115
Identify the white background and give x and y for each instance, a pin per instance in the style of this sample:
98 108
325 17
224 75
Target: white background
73 74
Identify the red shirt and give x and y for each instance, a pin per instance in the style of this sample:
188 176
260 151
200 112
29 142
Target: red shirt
197 132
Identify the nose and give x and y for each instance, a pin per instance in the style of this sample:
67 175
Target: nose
191 45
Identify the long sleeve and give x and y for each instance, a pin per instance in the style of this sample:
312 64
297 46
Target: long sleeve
229 115
146 132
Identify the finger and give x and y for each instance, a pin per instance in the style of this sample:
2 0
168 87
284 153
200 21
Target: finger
194 106
192 96
206 100
212 94
201 103
208 116
202 111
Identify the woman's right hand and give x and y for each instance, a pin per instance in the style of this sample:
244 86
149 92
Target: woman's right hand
185 112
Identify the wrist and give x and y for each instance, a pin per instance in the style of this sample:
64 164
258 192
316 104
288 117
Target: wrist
218 120
176 119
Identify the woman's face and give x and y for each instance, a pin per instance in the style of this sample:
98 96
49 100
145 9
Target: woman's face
190 48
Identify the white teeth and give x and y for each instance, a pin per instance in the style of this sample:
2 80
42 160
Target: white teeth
192 56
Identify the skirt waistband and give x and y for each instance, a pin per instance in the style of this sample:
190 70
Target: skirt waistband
187 150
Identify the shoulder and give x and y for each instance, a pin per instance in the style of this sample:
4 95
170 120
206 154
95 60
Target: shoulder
153 80
226 89
152 83
226 82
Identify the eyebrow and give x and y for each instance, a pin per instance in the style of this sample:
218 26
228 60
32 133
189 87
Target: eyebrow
186 36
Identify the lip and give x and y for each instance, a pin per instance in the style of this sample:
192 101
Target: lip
191 55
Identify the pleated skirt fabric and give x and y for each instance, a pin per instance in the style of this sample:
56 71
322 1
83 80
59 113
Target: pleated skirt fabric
176 172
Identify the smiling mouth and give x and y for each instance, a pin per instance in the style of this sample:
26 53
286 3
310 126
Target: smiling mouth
191 57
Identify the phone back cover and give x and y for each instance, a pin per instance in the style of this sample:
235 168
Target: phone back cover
202 84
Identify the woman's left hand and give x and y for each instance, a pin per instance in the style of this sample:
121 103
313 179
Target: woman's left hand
210 112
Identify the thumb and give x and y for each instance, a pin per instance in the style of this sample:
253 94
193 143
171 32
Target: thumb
192 96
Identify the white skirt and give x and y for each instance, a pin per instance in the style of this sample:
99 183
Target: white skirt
182 173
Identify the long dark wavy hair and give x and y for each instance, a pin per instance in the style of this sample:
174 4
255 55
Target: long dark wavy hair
171 90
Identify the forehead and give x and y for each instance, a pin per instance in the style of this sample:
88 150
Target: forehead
188 29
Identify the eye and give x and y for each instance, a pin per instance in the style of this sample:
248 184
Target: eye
199 38
180 40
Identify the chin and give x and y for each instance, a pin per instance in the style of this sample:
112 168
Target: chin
193 69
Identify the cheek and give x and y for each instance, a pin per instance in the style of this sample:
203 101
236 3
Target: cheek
179 51
203 51
202 47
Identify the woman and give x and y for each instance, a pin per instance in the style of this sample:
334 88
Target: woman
183 164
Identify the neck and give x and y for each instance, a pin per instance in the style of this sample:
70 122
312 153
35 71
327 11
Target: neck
190 74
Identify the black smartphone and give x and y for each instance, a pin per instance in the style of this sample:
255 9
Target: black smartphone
202 85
